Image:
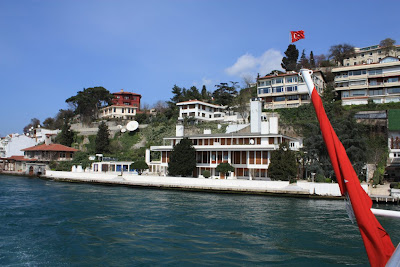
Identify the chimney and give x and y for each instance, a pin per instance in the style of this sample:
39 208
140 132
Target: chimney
180 130
47 139
122 90
255 117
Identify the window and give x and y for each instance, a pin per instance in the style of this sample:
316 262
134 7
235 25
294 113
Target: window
357 72
260 83
393 80
376 92
278 89
305 97
63 155
126 97
278 80
393 90
122 110
292 97
345 94
264 90
291 79
355 83
291 88
279 98
358 93
375 72
126 103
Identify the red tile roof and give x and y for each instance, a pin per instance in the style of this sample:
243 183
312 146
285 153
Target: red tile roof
18 158
51 147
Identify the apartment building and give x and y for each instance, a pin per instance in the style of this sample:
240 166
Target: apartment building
370 54
379 82
200 111
287 90
125 105
249 153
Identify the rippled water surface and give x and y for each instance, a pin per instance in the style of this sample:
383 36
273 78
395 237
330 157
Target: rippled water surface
47 223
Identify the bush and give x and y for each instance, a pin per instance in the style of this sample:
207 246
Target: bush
206 174
395 185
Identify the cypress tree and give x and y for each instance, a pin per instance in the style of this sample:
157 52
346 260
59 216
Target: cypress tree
289 62
66 137
312 60
283 164
102 143
183 159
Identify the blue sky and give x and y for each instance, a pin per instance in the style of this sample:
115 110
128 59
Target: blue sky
50 50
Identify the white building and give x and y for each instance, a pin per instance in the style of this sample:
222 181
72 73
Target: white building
12 144
248 153
39 133
370 54
201 111
287 90
379 82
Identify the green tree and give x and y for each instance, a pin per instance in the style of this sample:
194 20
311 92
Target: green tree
283 164
49 123
242 101
205 95
66 137
304 62
88 102
289 62
102 143
387 45
81 158
182 160
312 60
340 52
140 166
224 94
34 123
224 168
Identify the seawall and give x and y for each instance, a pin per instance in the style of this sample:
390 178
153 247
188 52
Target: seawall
279 188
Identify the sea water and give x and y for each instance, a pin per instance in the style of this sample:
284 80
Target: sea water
48 223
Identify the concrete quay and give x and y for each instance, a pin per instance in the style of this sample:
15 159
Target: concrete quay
280 188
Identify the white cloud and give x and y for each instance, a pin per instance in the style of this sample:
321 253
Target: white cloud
209 83
247 64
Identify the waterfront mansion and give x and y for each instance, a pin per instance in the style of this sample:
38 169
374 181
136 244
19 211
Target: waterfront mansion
249 152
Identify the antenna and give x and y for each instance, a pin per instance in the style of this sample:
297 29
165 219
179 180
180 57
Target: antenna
132 126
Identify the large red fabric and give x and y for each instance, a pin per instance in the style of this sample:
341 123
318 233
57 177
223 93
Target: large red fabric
297 35
377 242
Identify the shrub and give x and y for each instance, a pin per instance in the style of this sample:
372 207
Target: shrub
206 174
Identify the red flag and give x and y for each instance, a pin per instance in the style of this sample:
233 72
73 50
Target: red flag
297 35
377 242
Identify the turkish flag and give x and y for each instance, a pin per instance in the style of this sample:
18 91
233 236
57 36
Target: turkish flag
377 242
297 35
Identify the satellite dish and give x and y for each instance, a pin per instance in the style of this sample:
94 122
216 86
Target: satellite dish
132 125
251 141
123 130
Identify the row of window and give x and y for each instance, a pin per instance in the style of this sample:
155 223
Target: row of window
371 92
238 157
291 98
202 107
123 110
291 79
278 89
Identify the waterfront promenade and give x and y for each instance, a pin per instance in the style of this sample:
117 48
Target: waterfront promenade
300 189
